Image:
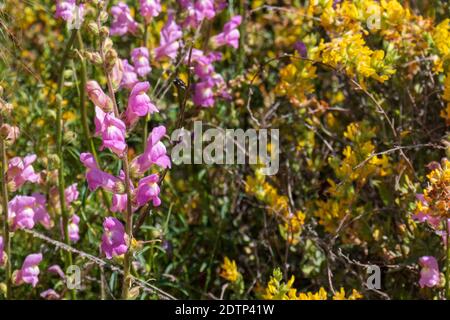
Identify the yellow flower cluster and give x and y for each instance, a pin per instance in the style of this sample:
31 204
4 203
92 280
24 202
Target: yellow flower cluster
296 81
350 53
278 290
278 205
358 165
440 36
229 270
446 96
437 193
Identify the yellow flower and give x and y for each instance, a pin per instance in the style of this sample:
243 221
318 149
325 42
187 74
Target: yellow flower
229 270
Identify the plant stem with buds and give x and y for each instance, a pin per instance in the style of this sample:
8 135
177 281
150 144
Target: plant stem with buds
129 214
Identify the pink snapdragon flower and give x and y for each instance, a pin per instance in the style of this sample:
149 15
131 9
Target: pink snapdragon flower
114 239
29 273
230 35
140 56
74 230
56 269
169 42
2 252
139 103
68 10
129 78
155 153
98 97
123 22
119 202
429 275
25 211
148 190
50 294
204 93
198 10
113 132
97 178
150 9
71 193
20 171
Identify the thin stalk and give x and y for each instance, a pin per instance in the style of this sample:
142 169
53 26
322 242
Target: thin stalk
129 215
84 115
6 239
242 27
447 271
59 148
147 117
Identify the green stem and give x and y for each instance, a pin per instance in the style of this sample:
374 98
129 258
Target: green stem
59 148
6 239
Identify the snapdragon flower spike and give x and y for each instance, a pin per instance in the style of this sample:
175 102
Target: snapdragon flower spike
150 9
140 57
113 134
148 190
97 178
429 275
25 211
20 171
230 35
123 22
29 273
155 153
139 103
2 252
114 239
74 230
170 40
98 96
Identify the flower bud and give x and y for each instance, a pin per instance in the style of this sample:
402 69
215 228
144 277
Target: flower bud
93 27
98 97
117 74
111 58
9 133
104 32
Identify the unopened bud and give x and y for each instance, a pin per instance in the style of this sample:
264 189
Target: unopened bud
110 59
98 97
93 27
69 137
9 133
104 32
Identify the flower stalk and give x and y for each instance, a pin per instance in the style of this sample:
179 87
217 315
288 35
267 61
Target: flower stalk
59 147
125 166
6 238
